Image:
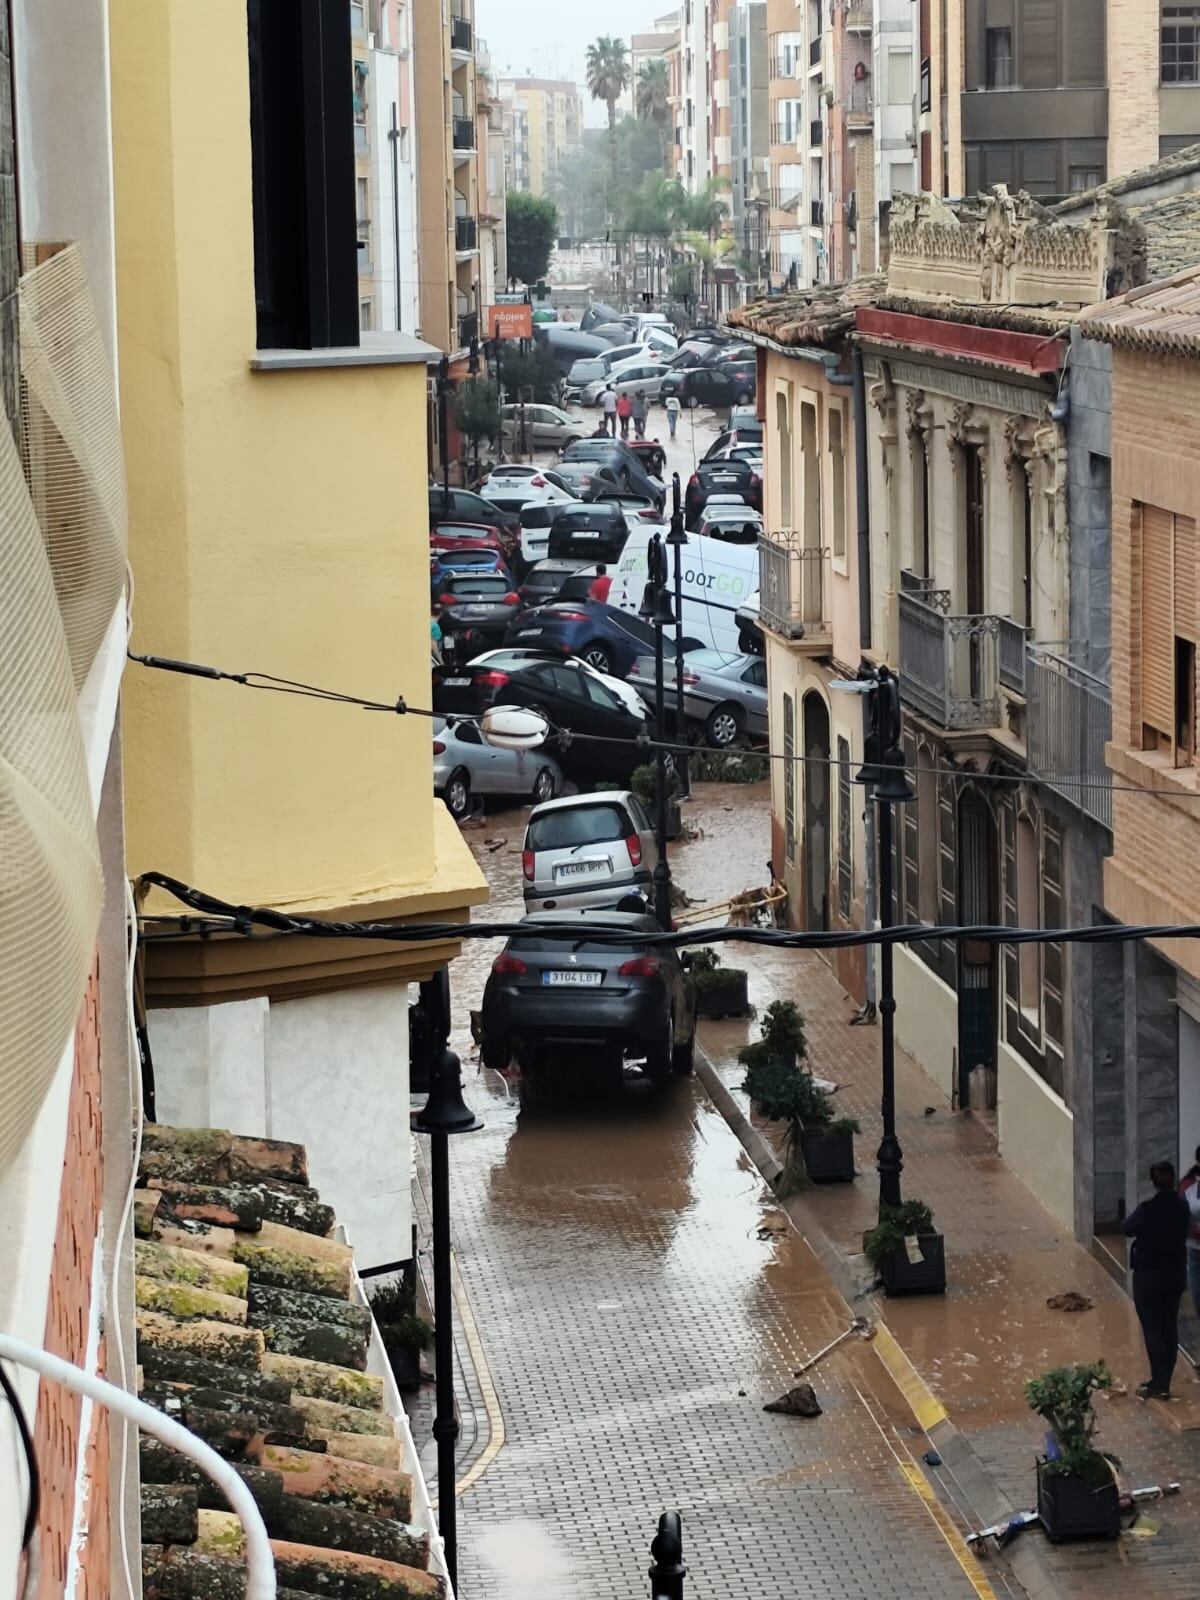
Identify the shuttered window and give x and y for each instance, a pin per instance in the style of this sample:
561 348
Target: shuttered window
1038 36
1185 578
789 777
1158 637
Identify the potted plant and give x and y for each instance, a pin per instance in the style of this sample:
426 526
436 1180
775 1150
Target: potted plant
786 1092
404 1331
828 1147
720 991
923 1271
644 783
1078 1496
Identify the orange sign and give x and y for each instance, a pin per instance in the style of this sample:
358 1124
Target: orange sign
510 322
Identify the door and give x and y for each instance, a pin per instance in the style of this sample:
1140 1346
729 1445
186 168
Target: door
481 760
755 676
977 903
816 812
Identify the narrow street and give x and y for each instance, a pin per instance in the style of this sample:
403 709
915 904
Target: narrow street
638 1298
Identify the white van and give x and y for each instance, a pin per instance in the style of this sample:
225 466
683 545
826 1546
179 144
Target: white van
718 579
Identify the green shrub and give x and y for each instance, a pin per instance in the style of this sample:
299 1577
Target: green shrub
401 1326
896 1224
706 959
1063 1396
644 783
727 766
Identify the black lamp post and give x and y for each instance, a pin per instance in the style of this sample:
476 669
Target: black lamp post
677 539
444 1113
666 1552
656 609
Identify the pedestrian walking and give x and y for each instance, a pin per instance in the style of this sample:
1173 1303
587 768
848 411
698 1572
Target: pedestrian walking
624 412
600 585
608 404
1189 1188
1159 1229
639 414
435 639
673 409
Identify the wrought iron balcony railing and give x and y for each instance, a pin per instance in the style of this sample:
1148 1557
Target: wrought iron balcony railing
464 133
461 34
951 667
465 233
1069 723
792 599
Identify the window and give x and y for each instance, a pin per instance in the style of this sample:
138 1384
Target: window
812 477
845 830
1169 632
900 84
1029 915
921 501
363 200
783 433
358 16
366 315
927 835
360 93
837 467
1181 44
756 673
1080 179
1023 576
999 43
467 733
789 776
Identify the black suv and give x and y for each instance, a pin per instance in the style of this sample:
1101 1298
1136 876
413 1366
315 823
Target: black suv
594 532
621 462
720 386
720 477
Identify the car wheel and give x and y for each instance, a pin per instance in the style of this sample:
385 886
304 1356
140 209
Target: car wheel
567 443
723 726
458 795
743 399
597 656
543 786
684 1058
690 402
660 1057
495 1054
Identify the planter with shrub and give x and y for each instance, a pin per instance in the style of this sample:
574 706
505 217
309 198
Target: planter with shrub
829 1150
886 1248
720 991
404 1331
785 1092
1077 1492
644 783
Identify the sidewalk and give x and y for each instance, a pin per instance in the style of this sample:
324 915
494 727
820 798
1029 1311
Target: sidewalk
1005 1256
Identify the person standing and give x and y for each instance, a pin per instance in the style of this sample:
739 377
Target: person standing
639 414
1189 1188
608 404
673 409
1159 1230
600 585
624 411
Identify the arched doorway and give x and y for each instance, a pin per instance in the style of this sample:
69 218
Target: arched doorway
816 812
978 971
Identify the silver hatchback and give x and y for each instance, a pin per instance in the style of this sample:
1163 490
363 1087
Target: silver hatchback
587 850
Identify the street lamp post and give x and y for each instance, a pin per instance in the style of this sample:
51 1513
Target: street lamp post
677 539
656 609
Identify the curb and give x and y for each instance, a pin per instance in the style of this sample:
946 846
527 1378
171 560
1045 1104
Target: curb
984 1499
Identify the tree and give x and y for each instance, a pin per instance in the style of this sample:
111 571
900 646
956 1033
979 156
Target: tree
607 80
653 97
530 369
705 211
477 412
531 223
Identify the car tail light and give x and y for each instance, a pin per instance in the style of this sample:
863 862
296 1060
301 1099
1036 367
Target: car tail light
634 845
492 679
649 516
755 480
695 478
509 966
446 599
570 616
537 483
511 600
527 864
641 967
690 677
439 749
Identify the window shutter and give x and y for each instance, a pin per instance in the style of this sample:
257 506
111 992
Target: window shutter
1085 43
1038 34
1158 642
1185 578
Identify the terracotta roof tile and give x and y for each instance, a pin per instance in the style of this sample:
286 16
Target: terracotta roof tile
814 316
252 1332
1162 317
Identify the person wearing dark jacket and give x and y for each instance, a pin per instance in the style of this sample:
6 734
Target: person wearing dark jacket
1159 1230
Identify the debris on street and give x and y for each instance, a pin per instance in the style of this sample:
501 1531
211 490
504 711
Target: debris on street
798 1402
862 1326
1071 1300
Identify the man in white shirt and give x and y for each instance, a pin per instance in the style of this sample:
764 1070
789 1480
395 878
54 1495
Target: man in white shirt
608 403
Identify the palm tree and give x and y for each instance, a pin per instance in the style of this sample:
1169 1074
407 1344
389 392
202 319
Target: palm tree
652 91
704 211
607 80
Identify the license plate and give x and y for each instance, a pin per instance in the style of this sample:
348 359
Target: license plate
456 683
476 611
582 869
529 633
571 980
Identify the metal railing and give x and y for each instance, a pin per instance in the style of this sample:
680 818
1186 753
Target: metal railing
814 51
1069 724
791 581
464 233
816 131
463 132
949 669
860 105
859 16
468 329
1012 642
817 213
461 33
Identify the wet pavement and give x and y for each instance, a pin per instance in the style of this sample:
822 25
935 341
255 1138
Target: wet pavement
638 1298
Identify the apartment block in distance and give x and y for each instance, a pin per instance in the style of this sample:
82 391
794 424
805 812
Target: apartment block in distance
749 105
549 113
788 188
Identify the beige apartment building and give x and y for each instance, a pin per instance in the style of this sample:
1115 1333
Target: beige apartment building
548 112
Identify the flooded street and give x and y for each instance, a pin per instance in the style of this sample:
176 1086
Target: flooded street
638 1298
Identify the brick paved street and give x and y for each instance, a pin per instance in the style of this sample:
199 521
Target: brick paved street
626 1291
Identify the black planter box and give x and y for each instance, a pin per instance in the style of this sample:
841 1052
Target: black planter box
674 819
723 993
404 1361
1069 1507
828 1157
927 1276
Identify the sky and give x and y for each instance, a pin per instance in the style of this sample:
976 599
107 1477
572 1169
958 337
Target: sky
549 38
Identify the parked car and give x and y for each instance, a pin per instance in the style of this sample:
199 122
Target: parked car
734 524
464 764
651 454
544 580
444 564
643 376
750 450
543 488
719 355
747 434
596 314
632 998
588 380
604 635
614 454
580 475
693 350
474 610
587 850
750 634
723 478
726 695
591 531
565 346
746 417
635 508
460 505
546 427
580 703
711 386
513 657
478 684
468 536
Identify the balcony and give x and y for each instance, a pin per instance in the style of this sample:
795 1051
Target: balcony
792 600
468 329
815 131
952 667
860 110
465 233
1070 722
461 35
814 52
463 133
859 16
817 213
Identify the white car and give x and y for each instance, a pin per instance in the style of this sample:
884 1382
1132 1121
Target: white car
736 524
628 378
510 657
512 489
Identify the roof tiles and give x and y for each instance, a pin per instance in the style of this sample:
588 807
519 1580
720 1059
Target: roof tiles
1161 317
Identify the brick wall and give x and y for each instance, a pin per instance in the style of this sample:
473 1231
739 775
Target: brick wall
67 1321
1133 35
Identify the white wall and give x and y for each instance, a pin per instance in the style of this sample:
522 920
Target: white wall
926 1017
391 195
1037 1135
329 1071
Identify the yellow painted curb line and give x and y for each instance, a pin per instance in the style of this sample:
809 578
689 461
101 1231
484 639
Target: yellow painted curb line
928 1410
958 1545
487 1389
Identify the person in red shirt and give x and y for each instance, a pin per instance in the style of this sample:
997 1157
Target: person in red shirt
624 412
600 585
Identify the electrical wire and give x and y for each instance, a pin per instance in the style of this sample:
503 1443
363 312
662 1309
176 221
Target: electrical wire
643 743
33 1505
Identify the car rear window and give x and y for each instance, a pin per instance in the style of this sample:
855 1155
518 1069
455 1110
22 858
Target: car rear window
470 583
595 516
537 516
468 558
560 830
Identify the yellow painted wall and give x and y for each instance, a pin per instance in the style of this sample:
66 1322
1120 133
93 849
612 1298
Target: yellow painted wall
278 522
